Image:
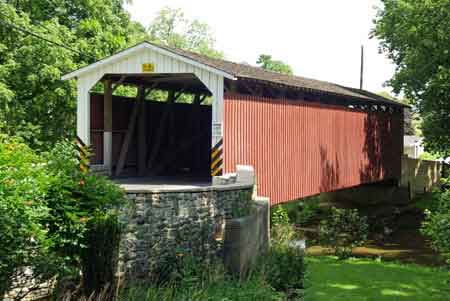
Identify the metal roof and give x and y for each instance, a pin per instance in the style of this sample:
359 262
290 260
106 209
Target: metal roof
233 70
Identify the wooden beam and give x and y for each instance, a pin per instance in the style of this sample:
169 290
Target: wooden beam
118 83
199 98
249 88
179 93
232 86
142 135
171 131
272 91
159 132
171 124
130 132
282 92
107 125
194 127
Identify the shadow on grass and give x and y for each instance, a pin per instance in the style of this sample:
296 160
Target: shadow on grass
361 279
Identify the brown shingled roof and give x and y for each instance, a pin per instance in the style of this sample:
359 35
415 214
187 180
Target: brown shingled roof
245 71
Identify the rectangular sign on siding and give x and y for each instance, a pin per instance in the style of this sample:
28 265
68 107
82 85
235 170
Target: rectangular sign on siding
300 149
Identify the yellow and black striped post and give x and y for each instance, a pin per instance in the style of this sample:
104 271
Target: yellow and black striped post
83 154
216 159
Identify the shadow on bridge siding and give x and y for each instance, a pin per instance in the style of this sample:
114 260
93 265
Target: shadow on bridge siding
379 158
381 147
330 171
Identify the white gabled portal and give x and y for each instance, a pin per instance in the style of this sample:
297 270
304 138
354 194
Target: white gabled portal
135 61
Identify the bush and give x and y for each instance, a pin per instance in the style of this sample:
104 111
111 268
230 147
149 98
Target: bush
281 232
24 183
437 225
306 211
73 199
98 259
429 201
310 211
344 230
45 206
202 281
82 222
285 268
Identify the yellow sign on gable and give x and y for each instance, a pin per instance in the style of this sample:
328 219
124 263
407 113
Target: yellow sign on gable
148 67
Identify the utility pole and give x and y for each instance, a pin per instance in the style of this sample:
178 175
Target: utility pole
361 78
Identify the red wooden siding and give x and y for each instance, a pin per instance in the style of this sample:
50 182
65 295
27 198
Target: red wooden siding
300 149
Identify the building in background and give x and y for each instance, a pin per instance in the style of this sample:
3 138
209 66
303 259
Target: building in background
413 146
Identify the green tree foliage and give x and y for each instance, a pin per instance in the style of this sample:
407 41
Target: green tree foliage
284 265
100 256
437 224
23 189
285 269
34 102
73 198
344 230
281 231
265 61
412 121
416 36
46 205
172 28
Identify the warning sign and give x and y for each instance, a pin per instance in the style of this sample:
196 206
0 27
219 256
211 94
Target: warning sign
148 67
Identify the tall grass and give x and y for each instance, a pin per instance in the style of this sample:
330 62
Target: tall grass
200 281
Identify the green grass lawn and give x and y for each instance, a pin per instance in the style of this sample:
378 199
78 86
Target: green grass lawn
365 279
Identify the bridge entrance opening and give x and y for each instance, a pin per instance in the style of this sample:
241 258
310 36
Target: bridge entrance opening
152 126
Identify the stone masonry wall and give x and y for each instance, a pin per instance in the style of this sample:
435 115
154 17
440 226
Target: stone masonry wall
161 225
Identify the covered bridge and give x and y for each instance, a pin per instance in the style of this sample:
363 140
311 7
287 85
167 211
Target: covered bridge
193 117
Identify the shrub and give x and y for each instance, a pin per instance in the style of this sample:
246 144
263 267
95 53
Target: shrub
281 232
437 225
285 268
306 211
98 258
45 206
344 230
429 201
73 199
24 183
197 280
310 211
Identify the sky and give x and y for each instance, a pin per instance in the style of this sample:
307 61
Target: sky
319 39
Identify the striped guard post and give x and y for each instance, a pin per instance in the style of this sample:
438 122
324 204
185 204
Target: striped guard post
216 159
83 154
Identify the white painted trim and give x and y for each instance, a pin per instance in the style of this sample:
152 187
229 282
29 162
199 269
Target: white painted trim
133 50
107 150
189 61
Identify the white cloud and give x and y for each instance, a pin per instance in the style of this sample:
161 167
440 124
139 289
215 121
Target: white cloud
319 38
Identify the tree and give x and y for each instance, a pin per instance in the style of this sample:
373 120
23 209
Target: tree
34 102
416 37
411 120
266 62
172 28
47 210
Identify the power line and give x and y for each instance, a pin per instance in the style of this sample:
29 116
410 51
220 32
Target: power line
23 30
